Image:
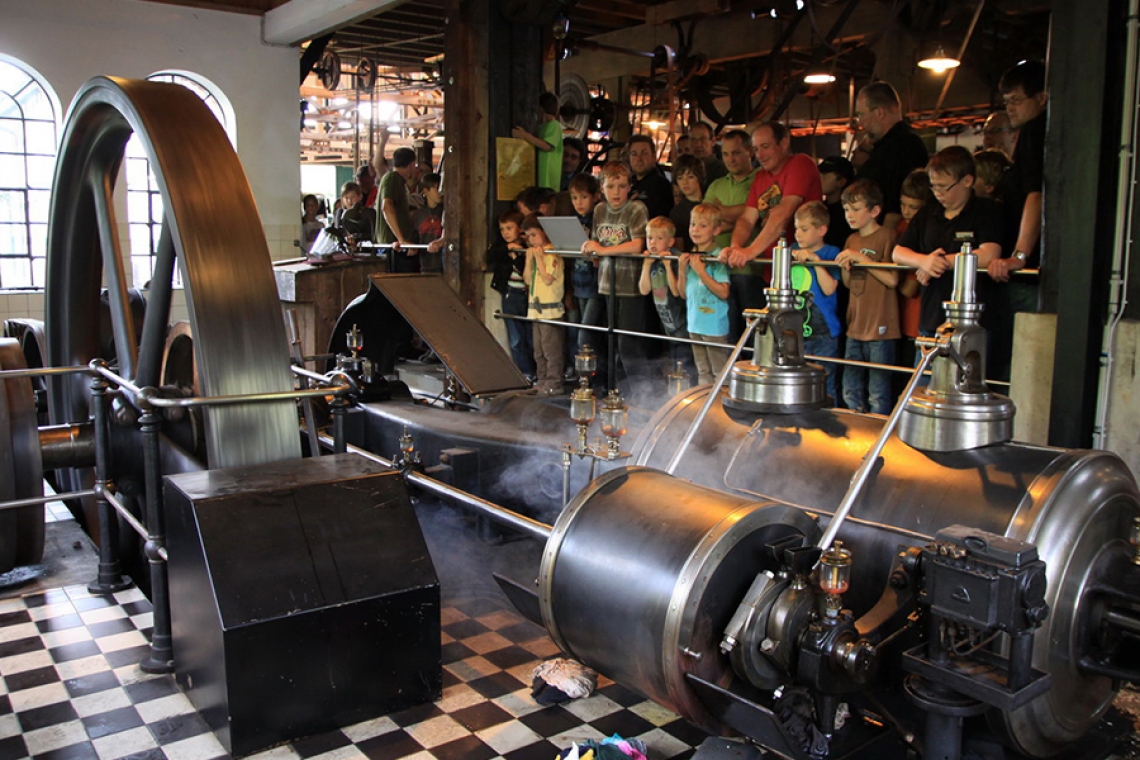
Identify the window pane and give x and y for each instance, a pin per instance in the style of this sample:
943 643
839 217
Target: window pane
138 206
11 206
140 239
35 102
38 203
156 207
12 172
13 238
9 108
41 171
38 235
41 137
12 79
155 234
15 273
39 267
11 136
142 269
134 148
136 172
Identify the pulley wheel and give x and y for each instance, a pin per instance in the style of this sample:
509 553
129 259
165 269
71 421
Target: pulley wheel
212 231
574 105
21 469
365 74
328 69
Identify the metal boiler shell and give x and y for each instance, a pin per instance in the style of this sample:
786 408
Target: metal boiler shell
1074 505
642 572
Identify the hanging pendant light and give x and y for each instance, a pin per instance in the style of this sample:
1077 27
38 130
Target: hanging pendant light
939 62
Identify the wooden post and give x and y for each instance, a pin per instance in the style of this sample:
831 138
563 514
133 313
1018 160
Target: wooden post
492 78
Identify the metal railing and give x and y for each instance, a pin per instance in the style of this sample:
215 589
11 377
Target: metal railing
152 530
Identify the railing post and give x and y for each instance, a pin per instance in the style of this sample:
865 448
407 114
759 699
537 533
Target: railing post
161 657
110 576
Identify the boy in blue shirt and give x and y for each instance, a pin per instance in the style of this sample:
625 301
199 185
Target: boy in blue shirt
822 327
705 292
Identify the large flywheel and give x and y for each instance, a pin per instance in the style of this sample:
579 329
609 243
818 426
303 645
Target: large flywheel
212 231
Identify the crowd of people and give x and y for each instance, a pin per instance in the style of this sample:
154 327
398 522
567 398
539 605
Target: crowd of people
681 255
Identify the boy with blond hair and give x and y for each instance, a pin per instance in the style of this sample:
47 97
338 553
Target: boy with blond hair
659 279
822 327
543 274
873 311
705 292
619 228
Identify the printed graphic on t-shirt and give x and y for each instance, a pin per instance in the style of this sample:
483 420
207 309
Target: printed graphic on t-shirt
612 234
768 201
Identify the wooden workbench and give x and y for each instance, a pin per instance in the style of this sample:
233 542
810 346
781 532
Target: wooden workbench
320 294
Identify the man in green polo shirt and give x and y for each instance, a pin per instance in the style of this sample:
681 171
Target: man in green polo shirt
730 193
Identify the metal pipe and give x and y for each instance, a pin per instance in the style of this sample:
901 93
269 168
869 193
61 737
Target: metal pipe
37 500
8 374
673 339
125 513
857 265
1122 235
109 577
751 319
502 515
161 657
521 523
961 54
859 479
68 445
149 395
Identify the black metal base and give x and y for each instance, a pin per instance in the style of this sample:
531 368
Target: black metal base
104 585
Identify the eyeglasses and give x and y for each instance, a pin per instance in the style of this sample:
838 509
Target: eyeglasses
1015 100
943 189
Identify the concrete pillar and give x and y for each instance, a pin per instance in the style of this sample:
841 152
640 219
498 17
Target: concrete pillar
1031 375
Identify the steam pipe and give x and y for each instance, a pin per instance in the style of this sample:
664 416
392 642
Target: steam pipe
1122 236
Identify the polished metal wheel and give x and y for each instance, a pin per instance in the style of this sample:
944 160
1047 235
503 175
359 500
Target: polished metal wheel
211 231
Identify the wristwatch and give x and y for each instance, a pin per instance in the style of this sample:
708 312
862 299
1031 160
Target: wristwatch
1021 256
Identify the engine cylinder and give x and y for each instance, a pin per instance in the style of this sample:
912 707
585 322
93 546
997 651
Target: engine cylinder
642 573
1076 506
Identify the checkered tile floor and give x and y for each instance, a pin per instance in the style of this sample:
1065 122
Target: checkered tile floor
70 687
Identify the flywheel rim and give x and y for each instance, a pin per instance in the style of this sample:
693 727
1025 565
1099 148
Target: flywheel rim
212 230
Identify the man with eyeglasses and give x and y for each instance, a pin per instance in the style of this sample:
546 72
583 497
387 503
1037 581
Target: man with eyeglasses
997 134
702 144
1023 90
935 236
898 148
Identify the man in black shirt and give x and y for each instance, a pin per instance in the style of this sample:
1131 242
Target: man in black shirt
1023 90
649 183
898 149
935 236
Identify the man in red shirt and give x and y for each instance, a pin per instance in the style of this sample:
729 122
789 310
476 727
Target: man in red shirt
783 183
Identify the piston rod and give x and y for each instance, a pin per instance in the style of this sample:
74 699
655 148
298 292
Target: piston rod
859 479
499 514
751 317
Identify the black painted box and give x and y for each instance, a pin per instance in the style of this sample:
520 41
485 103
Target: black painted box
303 598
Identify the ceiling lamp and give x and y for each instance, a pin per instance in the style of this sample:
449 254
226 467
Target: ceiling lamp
818 76
939 62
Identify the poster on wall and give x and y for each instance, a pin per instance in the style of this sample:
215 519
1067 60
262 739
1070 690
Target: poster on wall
515 167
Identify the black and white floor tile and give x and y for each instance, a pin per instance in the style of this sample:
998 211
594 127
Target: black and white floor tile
70 687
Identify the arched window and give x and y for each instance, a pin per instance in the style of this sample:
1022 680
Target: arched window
144 202
29 128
